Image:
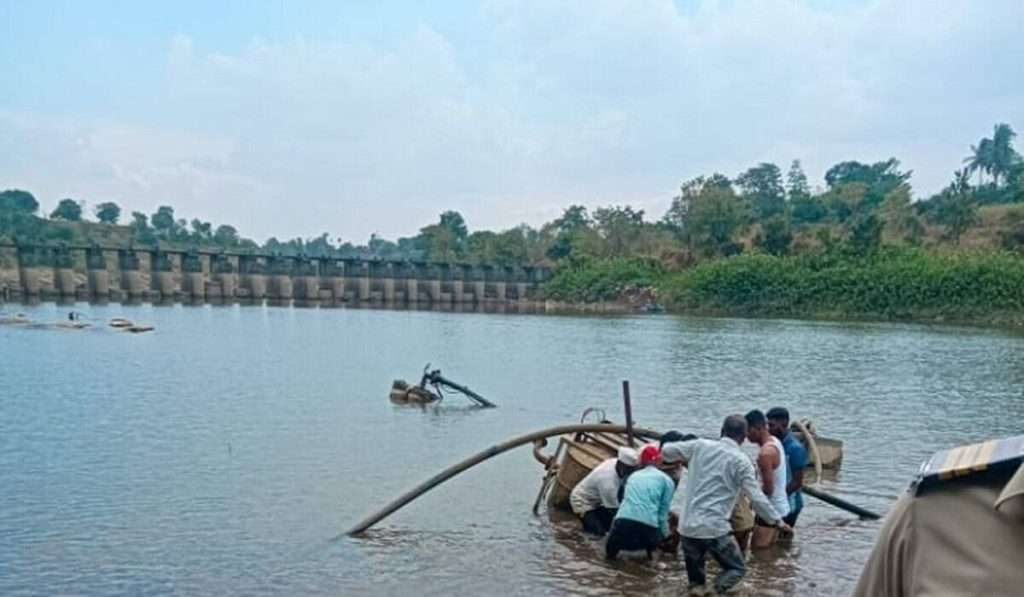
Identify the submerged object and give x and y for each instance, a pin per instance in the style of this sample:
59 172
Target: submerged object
138 329
121 322
17 319
402 392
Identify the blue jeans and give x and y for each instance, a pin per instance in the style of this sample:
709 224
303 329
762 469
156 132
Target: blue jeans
725 551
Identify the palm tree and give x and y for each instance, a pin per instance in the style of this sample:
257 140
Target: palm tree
994 156
1003 156
980 160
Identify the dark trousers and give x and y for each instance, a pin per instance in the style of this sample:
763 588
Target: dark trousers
630 535
725 551
598 521
790 518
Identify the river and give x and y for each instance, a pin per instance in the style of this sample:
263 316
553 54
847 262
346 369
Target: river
226 451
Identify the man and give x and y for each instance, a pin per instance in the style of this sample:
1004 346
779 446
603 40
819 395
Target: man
718 471
673 468
959 530
771 466
595 499
796 461
642 519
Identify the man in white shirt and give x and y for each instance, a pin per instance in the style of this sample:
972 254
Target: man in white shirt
595 499
718 471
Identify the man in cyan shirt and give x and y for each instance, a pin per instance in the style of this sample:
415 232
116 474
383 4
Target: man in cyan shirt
642 519
718 471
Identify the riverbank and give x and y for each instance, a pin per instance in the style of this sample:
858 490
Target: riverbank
971 287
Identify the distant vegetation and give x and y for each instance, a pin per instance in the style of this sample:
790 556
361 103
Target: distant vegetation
763 241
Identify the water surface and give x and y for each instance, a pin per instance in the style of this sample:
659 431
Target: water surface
224 453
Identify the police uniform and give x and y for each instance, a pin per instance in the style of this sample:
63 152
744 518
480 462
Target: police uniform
958 531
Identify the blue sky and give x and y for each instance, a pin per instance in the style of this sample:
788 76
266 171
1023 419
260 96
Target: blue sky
296 118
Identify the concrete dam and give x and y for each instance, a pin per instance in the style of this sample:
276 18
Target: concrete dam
158 275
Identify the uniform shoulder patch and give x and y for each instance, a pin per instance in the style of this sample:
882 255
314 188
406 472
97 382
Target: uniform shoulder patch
972 459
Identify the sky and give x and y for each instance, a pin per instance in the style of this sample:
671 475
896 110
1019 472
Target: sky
291 118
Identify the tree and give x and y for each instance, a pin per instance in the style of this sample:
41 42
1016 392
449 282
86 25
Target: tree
107 212
226 236
453 221
775 236
865 234
163 221
18 201
141 232
897 215
201 231
762 189
955 207
995 156
573 218
1004 157
714 216
878 180
796 183
69 210
678 214
619 227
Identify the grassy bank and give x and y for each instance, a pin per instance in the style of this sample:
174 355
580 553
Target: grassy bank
893 284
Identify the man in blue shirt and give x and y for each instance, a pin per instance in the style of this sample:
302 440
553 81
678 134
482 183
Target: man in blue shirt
796 460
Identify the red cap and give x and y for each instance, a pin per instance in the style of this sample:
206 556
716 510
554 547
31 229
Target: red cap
649 455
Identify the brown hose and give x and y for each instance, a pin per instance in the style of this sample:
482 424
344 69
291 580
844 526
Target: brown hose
813 445
479 457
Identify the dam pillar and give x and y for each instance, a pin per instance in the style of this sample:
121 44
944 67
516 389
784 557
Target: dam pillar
433 280
500 284
131 279
281 287
387 282
165 281
456 273
307 279
363 281
223 270
97 276
332 279
412 283
479 288
193 277
253 278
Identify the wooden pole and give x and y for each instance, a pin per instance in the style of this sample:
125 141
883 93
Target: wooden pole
841 503
629 413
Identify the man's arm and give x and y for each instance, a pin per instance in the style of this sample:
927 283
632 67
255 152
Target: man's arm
797 461
766 461
667 492
796 482
758 500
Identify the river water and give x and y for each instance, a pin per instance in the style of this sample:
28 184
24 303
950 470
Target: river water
225 452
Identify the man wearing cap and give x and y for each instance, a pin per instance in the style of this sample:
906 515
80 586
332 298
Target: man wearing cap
718 472
958 531
595 499
642 519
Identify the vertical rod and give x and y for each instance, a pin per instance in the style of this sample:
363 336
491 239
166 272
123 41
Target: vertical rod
629 413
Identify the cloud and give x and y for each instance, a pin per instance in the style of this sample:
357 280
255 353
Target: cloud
549 103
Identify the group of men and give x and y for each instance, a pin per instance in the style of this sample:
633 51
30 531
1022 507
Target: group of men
629 497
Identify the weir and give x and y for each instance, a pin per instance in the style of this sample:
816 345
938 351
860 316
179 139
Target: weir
63 272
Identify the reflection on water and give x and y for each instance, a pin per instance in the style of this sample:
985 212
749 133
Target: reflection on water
224 452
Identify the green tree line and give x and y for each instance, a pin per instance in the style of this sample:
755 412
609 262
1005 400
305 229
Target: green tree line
861 206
